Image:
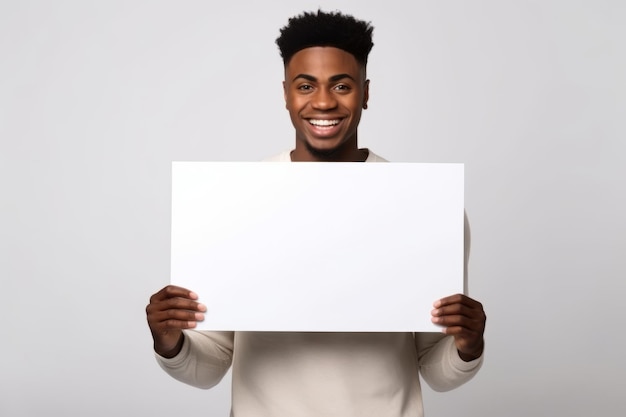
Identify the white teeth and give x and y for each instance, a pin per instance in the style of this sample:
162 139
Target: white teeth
323 122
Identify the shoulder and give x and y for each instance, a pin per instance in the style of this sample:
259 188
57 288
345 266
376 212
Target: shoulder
372 157
284 156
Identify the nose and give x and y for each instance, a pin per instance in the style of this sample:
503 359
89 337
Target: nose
324 100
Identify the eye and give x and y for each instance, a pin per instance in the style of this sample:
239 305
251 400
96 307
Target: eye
342 88
305 88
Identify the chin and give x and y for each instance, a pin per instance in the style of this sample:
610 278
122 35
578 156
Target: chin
324 152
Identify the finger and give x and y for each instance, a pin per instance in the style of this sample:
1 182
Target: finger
172 291
460 310
176 308
170 316
465 340
175 320
476 325
160 302
181 304
169 325
173 324
458 299
462 331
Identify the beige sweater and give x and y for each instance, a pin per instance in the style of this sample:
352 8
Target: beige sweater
322 374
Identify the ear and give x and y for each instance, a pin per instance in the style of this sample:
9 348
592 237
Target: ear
285 92
366 93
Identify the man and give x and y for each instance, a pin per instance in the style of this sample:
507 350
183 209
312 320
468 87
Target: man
321 374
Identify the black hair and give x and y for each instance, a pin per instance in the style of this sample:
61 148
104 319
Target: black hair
326 29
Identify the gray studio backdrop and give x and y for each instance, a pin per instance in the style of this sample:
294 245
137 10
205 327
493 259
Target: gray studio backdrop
97 98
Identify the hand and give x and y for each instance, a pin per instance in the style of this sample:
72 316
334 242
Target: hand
170 311
463 318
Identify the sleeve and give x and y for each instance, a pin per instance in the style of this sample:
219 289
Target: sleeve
203 360
440 364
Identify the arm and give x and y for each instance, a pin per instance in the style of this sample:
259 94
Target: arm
440 364
203 360
461 316
197 358
448 362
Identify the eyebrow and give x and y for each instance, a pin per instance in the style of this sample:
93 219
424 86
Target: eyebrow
331 79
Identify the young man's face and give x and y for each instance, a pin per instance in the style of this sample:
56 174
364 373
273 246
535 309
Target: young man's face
325 91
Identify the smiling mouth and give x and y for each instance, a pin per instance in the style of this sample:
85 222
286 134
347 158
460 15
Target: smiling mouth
324 123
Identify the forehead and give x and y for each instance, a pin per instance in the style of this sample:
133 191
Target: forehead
323 60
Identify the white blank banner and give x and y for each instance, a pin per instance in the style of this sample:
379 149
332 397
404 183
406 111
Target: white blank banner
275 246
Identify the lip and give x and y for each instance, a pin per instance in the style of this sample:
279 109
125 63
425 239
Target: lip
321 130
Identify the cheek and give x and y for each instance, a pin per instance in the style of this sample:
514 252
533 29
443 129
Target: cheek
295 103
355 105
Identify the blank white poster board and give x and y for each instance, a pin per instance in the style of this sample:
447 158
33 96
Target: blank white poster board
275 246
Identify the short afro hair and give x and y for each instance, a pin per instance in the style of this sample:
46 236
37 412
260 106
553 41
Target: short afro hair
334 29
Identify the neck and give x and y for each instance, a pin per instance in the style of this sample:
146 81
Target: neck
305 153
